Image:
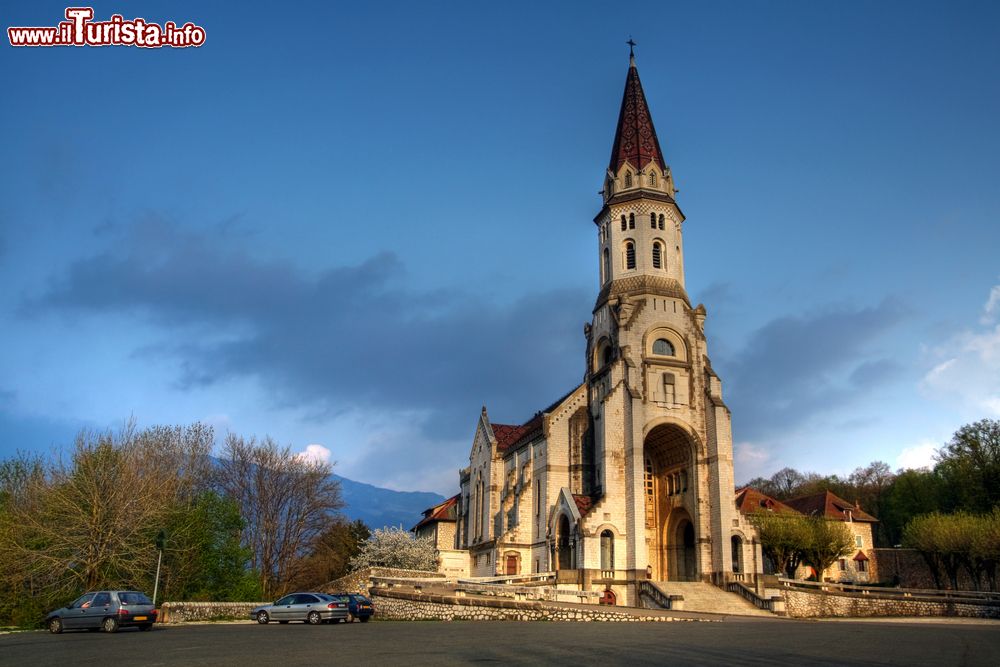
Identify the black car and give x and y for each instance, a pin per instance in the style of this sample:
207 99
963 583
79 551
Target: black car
104 610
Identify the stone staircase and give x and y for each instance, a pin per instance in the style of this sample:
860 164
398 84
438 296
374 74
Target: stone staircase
706 598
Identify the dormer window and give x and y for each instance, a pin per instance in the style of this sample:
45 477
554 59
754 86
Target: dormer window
652 179
628 179
663 347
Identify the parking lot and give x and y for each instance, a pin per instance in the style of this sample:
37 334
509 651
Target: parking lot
746 641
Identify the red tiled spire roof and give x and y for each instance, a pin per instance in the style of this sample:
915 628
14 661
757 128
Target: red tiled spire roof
635 138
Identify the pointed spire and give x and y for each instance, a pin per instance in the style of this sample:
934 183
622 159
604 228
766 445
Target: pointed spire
635 137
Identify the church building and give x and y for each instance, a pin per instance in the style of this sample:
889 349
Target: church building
629 476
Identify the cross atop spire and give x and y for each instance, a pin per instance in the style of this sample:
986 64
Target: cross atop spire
631 51
635 137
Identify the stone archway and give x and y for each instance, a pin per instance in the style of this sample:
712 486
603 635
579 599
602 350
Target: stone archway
668 489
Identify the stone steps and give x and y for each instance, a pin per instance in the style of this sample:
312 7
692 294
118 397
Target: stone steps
706 598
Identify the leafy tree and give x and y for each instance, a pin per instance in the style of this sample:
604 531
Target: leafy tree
331 553
826 541
782 537
398 548
970 466
204 558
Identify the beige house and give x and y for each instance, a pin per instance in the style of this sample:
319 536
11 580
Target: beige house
629 475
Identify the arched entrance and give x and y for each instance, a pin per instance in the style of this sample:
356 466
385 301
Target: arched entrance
668 487
737 546
564 550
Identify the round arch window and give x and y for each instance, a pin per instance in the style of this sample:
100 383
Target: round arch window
663 347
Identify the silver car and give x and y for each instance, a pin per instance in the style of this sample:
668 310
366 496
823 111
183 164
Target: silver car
312 608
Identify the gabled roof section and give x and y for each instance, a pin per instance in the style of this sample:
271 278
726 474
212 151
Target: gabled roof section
828 504
509 436
635 137
583 503
445 511
750 500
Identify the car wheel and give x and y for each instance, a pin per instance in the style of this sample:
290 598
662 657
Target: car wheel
55 626
146 626
110 624
262 617
314 618
364 619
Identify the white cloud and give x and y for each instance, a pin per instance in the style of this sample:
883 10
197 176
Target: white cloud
967 368
751 460
920 455
992 308
314 454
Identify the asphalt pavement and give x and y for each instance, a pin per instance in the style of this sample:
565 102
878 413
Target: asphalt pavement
732 641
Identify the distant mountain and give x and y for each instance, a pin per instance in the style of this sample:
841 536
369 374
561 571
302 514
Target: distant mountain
379 507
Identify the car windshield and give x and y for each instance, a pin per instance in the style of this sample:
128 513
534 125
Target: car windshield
132 597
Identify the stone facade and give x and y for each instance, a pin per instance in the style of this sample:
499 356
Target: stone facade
629 476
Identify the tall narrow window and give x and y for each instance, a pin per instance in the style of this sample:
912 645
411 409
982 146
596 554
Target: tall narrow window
631 220
657 256
652 221
628 179
652 178
661 221
607 551
606 266
629 255
624 224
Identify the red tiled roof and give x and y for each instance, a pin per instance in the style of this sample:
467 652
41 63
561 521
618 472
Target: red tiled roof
860 556
510 435
635 136
827 504
583 503
749 500
445 511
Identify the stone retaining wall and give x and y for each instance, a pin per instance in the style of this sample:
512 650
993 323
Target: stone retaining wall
809 604
182 612
407 606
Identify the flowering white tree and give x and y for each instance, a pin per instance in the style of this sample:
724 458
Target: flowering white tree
395 547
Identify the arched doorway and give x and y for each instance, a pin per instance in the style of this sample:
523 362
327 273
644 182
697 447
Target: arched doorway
564 550
669 493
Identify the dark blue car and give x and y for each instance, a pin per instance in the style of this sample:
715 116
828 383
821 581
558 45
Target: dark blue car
359 608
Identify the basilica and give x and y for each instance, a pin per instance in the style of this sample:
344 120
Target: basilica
629 476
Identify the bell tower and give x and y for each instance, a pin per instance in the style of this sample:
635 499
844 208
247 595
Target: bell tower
662 434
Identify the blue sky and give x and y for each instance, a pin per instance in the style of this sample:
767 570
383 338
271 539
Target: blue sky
351 227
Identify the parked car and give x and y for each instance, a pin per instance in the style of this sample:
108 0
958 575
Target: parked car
312 608
104 610
359 608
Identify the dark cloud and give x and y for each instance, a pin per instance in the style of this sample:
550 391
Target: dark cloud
795 368
350 337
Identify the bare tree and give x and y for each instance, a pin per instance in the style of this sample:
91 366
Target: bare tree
286 503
